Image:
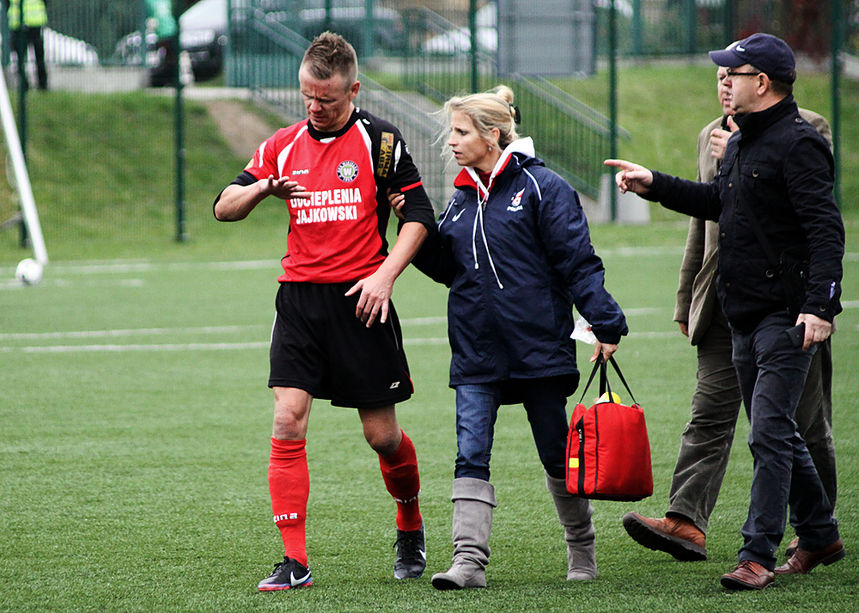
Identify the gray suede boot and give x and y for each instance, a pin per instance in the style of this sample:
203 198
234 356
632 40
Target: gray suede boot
574 513
473 501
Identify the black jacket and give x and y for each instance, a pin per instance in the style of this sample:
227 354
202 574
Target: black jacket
779 166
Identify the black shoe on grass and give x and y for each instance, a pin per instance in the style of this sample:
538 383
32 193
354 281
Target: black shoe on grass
286 575
411 554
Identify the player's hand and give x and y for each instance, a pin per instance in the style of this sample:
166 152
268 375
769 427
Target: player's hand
817 330
376 291
719 138
282 187
684 328
606 349
397 200
632 177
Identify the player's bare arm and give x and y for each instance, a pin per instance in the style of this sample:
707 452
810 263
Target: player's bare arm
376 290
237 201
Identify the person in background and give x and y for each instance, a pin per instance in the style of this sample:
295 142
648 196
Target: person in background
162 25
336 334
27 18
781 242
514 248
705 444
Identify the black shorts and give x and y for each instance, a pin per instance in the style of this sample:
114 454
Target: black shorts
318 345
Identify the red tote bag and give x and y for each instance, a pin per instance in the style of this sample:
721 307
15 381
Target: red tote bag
608 452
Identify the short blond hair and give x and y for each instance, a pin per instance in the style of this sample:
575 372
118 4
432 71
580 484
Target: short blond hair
488 110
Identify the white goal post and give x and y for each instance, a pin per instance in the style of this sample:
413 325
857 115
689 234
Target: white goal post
22 179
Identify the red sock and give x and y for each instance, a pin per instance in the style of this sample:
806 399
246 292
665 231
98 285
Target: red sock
289 485
400 472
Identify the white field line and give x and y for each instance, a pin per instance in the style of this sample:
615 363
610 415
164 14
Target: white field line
137 266
416 321
133 332
58 274
222 346
141 266
169 347
122 332
123 267
158 348
133 348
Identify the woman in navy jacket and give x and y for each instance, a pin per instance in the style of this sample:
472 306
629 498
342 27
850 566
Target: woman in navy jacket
513 247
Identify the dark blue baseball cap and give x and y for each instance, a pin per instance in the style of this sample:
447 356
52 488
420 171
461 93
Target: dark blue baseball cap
766 52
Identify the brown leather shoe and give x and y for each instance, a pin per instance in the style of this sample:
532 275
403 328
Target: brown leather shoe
802 561
791 548
675 535
748 575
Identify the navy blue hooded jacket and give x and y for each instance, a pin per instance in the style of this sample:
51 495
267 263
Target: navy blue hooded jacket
516 260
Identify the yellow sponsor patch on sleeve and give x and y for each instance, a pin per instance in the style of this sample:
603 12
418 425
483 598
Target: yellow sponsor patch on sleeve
574 462
386 154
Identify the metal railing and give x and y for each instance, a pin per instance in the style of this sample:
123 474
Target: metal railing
570 137
439 63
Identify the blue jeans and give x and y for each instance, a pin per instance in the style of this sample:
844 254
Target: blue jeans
771 372
477 405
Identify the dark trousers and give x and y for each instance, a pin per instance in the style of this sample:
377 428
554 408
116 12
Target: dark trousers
32 38
705 445
772 372
545 402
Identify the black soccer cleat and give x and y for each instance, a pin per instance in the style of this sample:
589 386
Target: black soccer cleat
286 575
411 554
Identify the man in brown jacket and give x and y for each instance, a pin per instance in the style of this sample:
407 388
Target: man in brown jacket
706 442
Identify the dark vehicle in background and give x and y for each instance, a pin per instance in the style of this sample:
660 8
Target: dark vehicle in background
204 34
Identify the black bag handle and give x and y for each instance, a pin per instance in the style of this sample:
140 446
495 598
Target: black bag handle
600 365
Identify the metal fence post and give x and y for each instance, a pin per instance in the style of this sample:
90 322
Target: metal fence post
179 131
612 102
21 59
691 27
637 45
728 23
472 31
368 29
835 78
5 50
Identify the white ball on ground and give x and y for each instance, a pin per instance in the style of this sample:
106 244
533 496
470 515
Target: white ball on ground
29 271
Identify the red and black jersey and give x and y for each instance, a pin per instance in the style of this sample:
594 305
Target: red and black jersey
338 234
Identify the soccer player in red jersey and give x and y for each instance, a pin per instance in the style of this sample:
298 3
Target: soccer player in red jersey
336 334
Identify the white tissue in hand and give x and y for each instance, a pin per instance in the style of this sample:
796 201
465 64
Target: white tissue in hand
582 332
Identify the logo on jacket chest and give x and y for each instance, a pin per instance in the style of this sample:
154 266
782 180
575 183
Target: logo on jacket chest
516 201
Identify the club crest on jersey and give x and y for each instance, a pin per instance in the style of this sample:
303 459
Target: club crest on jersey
516 201
347 171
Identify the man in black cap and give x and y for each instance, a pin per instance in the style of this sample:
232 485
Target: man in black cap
781 244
